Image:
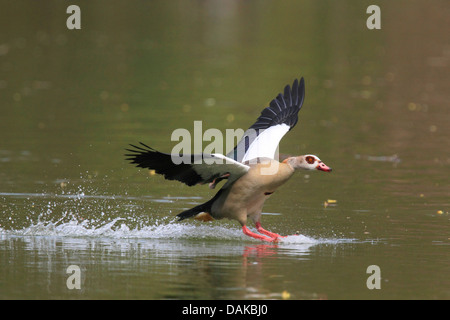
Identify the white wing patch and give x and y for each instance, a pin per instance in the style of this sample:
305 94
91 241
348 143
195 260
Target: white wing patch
266 143
218 164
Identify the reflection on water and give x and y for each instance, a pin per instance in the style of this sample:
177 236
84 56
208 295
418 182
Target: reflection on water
233 268
376 110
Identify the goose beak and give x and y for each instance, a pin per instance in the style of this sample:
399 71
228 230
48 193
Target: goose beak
323 167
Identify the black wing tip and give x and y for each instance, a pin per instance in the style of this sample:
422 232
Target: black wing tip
296 90
138 153
139 148
300 85
284 107
297 94
136 150
144 156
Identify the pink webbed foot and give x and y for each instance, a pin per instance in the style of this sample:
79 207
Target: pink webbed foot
266 232
273 237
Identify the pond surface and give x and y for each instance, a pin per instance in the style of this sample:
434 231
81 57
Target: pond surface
376 111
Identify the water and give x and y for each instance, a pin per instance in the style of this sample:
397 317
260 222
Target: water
376 111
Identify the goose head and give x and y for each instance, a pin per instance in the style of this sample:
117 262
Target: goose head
308 162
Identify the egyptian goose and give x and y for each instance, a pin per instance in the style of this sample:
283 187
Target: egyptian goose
251 170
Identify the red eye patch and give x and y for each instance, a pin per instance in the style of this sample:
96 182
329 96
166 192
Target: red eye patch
310 159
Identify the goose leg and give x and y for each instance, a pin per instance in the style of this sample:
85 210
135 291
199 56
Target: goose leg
267 233
257 236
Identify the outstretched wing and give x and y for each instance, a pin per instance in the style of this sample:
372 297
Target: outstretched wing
263 137
189 169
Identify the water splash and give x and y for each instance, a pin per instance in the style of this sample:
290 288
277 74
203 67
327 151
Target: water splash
118 229
166 229
82 212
